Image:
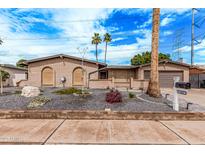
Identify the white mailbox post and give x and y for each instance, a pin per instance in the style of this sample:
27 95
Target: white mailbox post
176 99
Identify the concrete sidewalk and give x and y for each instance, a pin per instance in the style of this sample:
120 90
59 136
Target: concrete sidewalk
43 131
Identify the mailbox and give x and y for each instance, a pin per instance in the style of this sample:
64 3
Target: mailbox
184 85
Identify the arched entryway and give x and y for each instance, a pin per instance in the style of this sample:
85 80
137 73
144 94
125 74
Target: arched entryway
78 78
47 76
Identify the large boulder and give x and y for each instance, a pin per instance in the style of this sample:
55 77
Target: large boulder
30 91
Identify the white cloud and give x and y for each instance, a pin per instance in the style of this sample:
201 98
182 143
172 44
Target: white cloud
163 11
126 52
178 11
118 39
198 49
165 21
166 33
146 23
13 50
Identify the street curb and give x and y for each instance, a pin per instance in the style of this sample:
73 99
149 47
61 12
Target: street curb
99 115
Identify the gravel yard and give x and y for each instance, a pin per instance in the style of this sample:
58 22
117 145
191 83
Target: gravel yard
96 101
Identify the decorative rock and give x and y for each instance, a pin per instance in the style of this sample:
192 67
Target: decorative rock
75 94
30 91
107 109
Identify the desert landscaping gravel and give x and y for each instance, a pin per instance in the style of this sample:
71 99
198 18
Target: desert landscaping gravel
96 101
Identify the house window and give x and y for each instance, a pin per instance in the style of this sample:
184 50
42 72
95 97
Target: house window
104 75
78 76
146 75
47 76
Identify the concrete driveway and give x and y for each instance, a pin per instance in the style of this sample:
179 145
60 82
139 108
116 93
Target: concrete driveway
194 95
39 131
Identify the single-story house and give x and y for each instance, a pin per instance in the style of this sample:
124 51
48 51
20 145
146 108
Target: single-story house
137 77
48 71
16 74
197 76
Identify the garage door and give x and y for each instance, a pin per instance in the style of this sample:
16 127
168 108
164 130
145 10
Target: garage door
166 77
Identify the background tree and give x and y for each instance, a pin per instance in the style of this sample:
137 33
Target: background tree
145 58
5 75
22 63
107 39
153 87
96 40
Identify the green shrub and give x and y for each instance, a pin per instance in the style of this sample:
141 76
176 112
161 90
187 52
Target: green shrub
18 92
68 91
131 95
5 75
38 102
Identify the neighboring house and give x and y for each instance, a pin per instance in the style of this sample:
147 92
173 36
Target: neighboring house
137 77
197 76
16 74
48 71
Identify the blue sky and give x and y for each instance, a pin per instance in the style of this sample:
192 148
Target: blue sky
32 33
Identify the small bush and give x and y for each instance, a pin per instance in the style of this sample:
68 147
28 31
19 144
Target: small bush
17 92
38 101
68 91
114 96
131 95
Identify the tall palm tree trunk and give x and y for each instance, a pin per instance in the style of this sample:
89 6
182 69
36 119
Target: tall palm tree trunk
153 87
105 52
96 52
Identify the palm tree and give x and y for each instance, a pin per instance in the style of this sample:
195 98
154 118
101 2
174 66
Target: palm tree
107 39
153 87
96 40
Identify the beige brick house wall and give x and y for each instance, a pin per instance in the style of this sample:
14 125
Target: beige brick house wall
121 75
101 84
62 67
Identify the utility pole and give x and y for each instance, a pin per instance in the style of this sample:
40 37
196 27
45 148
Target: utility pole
192 38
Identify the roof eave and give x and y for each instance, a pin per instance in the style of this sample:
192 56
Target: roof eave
62 56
